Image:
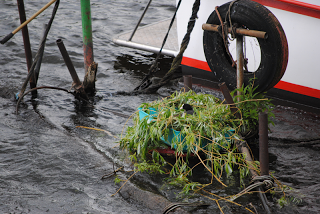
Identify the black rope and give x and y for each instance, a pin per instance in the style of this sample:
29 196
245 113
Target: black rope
39 53
177 60
224 35
153 68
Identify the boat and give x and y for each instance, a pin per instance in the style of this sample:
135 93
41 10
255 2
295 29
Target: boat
294 78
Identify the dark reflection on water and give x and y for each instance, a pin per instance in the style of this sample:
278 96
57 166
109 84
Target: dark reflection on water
139 66
49 165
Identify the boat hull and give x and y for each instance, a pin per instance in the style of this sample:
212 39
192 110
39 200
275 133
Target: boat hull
300 82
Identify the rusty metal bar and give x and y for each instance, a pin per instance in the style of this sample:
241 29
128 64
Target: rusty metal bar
240 62
187 80
69 64
263 144
78 86
239 31
26 42
227 96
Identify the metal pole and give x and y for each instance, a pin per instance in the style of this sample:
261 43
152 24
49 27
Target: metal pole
38 65
187 80
239 44
26 42
77 83
144 12
69 64
263 144
87 33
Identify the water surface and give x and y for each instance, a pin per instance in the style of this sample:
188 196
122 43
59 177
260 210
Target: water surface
47 165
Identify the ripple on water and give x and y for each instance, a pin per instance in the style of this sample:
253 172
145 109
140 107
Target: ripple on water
47 165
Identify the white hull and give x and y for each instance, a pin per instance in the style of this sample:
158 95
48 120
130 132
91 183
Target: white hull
300 21
303 73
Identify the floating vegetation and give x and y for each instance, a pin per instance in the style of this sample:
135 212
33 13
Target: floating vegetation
210 130
198 126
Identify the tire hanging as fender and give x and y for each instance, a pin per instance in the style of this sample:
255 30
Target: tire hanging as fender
274 50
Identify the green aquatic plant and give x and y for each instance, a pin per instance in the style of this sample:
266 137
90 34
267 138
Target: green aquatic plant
207 132
250 104
117 180
286 196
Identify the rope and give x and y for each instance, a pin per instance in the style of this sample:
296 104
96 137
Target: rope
153 68
39 53
233 34
175 66
265 180
224 35
173 206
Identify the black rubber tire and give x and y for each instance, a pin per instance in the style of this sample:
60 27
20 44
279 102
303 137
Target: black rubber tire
274 49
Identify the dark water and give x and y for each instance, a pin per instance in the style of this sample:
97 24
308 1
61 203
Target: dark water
47 165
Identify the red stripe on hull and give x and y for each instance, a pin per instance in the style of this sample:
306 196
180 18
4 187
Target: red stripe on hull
195 63
299 89
293 6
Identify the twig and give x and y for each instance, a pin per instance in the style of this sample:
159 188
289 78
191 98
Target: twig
109 133
124 183
41 87
111 173
253 208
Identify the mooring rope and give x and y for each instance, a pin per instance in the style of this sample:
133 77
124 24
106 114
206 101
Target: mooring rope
173 206
264 180
176 63
153 68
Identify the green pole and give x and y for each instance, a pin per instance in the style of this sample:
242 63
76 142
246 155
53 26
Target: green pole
87 33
